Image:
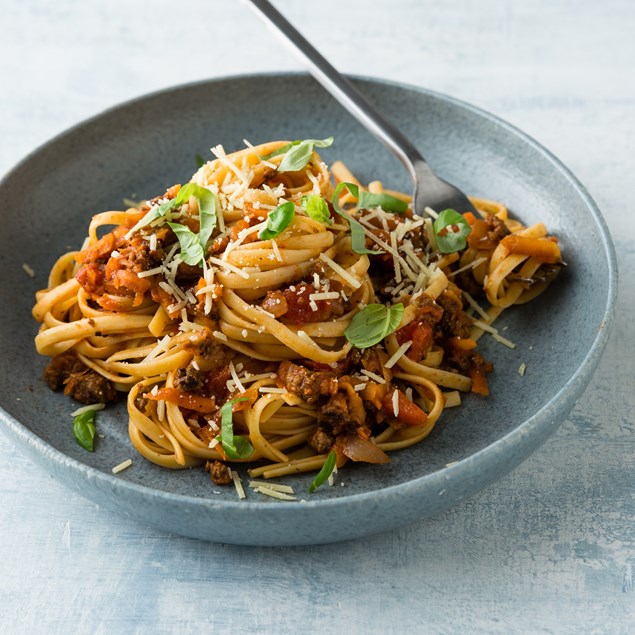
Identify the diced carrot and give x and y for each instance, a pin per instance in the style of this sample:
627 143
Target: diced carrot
463 343
478 233
479 383
409 413
184 399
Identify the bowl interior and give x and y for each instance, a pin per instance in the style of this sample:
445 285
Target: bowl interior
140 148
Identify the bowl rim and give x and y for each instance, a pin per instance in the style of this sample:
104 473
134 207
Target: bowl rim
460 470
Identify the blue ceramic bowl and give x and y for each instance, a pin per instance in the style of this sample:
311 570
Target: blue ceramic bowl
143 146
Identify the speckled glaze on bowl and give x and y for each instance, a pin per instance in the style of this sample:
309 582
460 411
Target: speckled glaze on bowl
143 146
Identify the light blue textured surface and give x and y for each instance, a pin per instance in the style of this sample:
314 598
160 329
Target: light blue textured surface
547 549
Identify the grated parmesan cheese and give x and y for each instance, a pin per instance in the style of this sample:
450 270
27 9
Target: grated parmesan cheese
229 267
83 409
28 270
332 476
250 379
521 369
242 235
325 295
471 265
302 335
263 161
352 281
273 389
287 489
124 465
240 490
399 353
395 403
267 313
276 250
475 305
494 333
377 378
503 340
219 152
234 374
267 491
150 272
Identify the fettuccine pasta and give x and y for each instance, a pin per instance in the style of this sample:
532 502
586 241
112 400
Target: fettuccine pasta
273 311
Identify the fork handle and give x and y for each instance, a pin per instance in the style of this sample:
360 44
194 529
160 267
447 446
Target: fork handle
343 90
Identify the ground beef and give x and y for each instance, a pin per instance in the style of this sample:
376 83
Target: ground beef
82 384
90 387
455 322
219 473
487 233
343 412
205 345
466 362
320 440
141 403
308 384
190 379
135 254
497 228
60 368
334 413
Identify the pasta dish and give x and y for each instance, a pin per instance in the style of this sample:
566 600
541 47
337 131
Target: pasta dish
278 312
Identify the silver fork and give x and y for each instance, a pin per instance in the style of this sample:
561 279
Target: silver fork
429 190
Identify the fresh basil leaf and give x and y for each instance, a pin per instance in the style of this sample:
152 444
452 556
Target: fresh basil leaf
278 220
318 143
450 230
316 208
244 449
84 430
372 324
299 154
324 473
296 158
321 143
206 205
385 201
358 237
191 251
281 150
200 161
235 447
